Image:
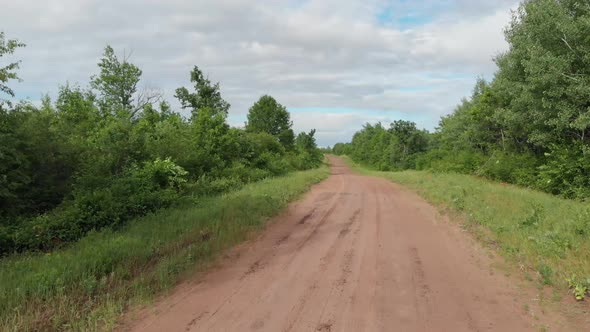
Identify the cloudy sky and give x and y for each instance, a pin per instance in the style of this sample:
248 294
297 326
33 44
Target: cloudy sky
336 64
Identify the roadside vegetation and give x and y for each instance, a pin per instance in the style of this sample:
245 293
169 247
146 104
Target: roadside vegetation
101 155
107 194
89 284
529 126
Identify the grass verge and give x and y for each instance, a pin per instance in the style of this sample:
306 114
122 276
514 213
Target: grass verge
88 285
545 236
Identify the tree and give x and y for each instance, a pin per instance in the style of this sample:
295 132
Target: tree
268 116
213 142
7 72
341 149
405 143
77 111
308 149
206 95
306 141
546 73
97 157
14 165
117 85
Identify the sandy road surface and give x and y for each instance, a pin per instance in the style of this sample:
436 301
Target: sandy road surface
355 254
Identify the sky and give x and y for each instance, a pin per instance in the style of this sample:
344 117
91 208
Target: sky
335 64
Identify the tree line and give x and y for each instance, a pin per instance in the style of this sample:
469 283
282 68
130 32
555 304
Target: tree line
529 125
100 155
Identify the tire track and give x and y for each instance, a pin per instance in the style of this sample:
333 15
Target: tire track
355 254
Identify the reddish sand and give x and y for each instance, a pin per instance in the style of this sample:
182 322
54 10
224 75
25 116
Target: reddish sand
357 253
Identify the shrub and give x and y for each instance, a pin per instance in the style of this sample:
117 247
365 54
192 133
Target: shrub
463 161
206 185
303 160
276 164
565 172
164 173
244 173
137 192
510 167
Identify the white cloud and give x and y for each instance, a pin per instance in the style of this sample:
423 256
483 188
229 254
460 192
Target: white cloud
312 53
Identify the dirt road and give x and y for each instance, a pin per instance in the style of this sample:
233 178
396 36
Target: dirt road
355 254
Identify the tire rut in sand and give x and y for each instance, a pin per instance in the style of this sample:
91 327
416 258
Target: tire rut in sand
357 253
324 263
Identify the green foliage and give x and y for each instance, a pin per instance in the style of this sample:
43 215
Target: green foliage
99 158
309 154
461 161
408 143
8 72
206 95
82 179
342 149
509 167
208 186
139 190
535 218
116 83
579 287
399 147
269 129
268 116
566 171
165 173
529 126
13 165
546 273
88 285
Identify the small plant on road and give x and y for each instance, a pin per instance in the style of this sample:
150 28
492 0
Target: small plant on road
579 287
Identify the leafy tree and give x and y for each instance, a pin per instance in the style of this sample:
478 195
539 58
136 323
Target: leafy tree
97 158
268 116
117 81
544 76
14 166
342 148
117 85
7 73
206 95
308 149
407 142
530 125
77 111
306 141
212 142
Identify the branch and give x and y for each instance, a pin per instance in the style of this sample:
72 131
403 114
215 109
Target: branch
146 97
570 77
566 43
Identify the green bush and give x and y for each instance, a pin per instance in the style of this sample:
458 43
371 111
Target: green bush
303 160
463 161
140 190
565 172
6 238
97 157
208 186
164 173
514 168
276 164
244 173
87 285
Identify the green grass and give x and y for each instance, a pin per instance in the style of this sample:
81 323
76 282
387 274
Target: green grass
546 236
88 285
